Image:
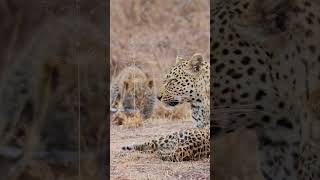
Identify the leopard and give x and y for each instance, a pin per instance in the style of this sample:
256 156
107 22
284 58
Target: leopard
132 90
265 67
188 81
53 100
128 120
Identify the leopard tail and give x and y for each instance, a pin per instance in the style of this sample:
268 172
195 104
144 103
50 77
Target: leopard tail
147 147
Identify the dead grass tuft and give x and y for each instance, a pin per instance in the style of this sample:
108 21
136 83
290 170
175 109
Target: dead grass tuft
181 112
133 121
127 120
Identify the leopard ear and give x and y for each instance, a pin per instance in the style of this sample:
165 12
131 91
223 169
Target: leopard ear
179 59
196 62
149 83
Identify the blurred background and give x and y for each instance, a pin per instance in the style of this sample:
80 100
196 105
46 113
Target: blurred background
51 151
152 33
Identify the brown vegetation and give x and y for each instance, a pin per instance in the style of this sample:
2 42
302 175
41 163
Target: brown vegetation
150 34
127 120
134 165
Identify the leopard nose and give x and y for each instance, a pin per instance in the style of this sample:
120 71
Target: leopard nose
159 97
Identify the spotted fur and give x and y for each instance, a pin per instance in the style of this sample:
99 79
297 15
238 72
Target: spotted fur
186 82
263 88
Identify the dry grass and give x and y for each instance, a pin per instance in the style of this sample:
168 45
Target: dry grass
134 165
150 34
127 120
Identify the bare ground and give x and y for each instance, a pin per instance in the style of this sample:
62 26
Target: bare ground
135 165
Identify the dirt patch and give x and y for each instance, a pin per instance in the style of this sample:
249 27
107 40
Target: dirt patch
135 165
